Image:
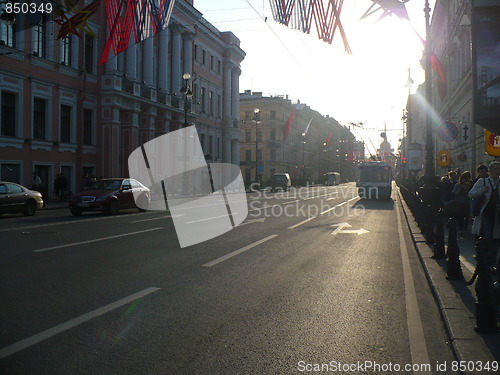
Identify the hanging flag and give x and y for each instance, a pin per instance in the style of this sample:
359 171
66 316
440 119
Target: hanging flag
440 71
328 139
288 124
307 127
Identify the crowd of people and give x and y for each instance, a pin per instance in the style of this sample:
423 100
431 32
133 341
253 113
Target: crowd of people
458 195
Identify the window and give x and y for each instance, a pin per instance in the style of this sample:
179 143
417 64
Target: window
66 50
212 62
89 54
39 118
219 105
212 103
204 58
14 189
273 155
248 115
39 36
8 115
248 136
259 155
65 135
219 67
203 99
7 32
273 115
259 135
273 134
87 127
211 145
248 155
196 52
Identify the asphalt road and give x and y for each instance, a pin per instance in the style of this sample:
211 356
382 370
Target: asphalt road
319 280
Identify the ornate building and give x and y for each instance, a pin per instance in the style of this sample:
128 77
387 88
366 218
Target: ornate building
63 112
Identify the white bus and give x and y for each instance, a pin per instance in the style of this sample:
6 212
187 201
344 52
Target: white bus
375 180
332 178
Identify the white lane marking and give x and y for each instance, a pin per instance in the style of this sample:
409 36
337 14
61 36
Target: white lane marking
239 251
77 221
209 218
156 218
96 240
334 207
35 339
418 345
302 222
298 200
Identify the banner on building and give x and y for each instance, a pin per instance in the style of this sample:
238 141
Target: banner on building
486 69
491 143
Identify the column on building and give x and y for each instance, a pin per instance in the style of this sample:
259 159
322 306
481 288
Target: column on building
227 91
111 141
129 135
164 66
131 69
176 58
235 96
147 62
187 38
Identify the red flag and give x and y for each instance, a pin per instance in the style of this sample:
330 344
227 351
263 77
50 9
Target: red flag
288 124
328 140
441 75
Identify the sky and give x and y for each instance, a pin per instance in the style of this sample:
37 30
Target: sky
367 86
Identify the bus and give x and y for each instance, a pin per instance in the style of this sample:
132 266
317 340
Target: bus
375 180
332 178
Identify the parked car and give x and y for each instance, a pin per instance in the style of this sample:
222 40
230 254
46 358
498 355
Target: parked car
281 181
111 195
17 198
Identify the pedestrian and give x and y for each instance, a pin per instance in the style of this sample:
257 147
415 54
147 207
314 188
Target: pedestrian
85 181
447 198
64 186
57 187
462 201
487 224
482 172
36 182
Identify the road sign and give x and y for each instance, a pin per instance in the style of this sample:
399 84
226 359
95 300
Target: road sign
415 157
341 226
465 131
444 158
447 131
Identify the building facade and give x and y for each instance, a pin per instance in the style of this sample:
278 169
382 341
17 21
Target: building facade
63 112
293 138
452 93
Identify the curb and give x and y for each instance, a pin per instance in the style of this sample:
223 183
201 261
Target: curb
466 343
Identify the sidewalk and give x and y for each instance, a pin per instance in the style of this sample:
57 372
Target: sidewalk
455 299
53 204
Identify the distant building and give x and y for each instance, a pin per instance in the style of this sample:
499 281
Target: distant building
275 137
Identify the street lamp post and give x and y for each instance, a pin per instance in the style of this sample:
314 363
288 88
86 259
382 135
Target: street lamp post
188 95
429 191
303 157
7 18
256 120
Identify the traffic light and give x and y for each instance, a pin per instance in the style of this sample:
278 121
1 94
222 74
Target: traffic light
403 159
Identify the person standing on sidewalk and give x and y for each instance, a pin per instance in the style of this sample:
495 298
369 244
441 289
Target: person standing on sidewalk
487 224
461 194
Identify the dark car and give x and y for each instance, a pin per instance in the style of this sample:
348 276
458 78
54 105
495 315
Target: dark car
17 198
110 195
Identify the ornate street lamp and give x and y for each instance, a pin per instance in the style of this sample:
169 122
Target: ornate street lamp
188 95
256 120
